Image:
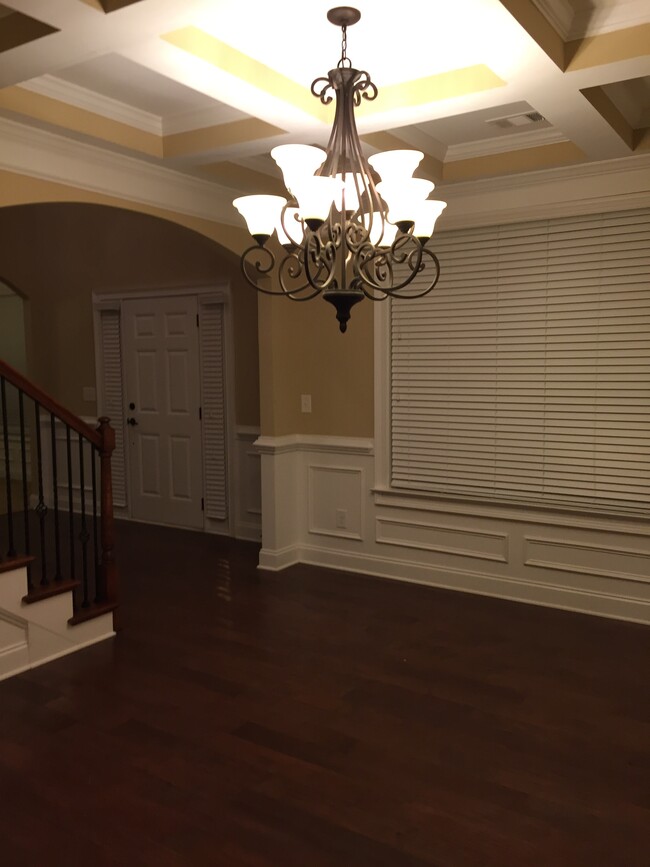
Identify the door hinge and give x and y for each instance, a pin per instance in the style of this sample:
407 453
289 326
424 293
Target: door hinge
200 413
202 504
197 320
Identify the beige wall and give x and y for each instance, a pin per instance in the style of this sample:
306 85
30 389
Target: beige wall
57 254
302 351
12 329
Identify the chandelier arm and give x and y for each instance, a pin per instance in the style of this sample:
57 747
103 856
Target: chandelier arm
292 267
368 254
323 256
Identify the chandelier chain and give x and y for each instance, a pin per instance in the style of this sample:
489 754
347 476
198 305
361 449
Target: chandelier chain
345 60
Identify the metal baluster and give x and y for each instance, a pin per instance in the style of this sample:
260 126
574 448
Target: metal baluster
55 497
70 505
23 464
41 508
11 550
84 535
93 453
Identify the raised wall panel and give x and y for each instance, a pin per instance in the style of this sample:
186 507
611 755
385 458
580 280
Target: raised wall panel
608 561
443 539
332 489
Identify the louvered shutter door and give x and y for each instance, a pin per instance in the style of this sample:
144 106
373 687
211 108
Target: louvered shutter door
113 398
214 410
525 375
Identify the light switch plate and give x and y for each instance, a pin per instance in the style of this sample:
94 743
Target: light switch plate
305 403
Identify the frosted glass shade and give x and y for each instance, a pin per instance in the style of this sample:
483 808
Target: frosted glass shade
395 166
293 227
297 162
262 213
315 196
376 237
404 198
350 188
425 217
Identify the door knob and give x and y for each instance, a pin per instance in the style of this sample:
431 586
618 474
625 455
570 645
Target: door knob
131 421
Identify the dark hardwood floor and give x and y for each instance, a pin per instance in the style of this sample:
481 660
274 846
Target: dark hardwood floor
314 718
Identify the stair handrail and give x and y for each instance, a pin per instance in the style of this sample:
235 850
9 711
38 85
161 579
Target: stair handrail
103 438
48 403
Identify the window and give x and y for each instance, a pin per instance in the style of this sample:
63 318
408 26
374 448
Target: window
525 375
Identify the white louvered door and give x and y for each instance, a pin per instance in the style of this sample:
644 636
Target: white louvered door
525 375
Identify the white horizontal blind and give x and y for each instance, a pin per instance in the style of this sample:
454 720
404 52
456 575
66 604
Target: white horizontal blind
214 410
525 375
111 359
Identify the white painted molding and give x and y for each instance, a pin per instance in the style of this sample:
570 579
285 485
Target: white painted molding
619 607
593 19
243 431
504 144
199 118
587 188
520 514
90 100
38 153
307 443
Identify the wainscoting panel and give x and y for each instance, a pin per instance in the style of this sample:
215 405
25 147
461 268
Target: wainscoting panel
443 539
248 523
336 501
312 485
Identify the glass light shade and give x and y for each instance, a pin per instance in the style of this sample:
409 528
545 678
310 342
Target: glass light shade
297 162
315 196
404 198
350 188
292 225
395 166
261 213
425 217
376 237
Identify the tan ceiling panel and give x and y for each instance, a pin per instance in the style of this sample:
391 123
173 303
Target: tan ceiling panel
606 108
244 179
513 162
77 120
220 136
18 29
608 47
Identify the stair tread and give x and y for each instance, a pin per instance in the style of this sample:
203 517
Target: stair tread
92 611
54 588
15 563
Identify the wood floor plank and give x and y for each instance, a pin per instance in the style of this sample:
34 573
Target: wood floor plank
312 718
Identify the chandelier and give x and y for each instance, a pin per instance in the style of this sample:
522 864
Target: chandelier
352 228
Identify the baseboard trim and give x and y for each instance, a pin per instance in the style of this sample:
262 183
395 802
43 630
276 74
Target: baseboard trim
276 561
480 583
73 648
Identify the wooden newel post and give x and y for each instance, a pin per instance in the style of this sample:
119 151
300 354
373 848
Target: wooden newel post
108 570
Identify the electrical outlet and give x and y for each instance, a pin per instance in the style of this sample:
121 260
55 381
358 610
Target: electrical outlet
341 519
305 403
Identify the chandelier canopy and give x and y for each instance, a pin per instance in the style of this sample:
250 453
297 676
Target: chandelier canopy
352 228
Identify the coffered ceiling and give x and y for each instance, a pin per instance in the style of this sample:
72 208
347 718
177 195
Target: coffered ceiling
208 87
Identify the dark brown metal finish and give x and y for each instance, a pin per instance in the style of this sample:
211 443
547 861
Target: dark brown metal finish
343 16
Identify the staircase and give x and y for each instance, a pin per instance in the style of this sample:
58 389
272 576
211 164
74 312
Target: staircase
58 581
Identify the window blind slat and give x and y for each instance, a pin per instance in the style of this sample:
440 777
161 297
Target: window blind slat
526 372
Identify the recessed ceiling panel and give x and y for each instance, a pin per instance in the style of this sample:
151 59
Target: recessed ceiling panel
632 99
128 82
18 29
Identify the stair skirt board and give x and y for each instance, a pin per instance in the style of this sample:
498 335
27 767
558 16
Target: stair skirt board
36 633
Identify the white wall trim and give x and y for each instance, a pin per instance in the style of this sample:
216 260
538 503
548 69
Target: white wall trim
89 100
503 144
38 153
312 443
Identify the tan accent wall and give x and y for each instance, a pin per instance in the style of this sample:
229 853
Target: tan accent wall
511 162
303 352
57 250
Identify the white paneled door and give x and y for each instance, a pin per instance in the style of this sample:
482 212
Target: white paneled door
162 409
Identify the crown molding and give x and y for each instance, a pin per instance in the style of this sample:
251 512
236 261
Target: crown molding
89 100
571 25
42 154
558 13
503 144
597 187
